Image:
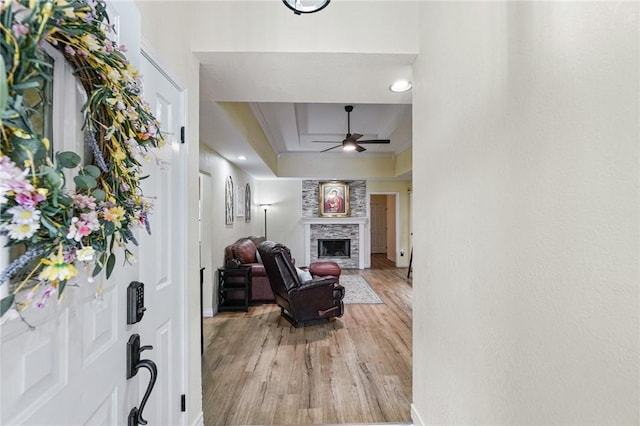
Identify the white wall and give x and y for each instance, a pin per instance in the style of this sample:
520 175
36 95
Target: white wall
526 213
258 26
218 168
284 216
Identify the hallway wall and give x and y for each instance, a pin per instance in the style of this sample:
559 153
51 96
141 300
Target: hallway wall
526 213
219 169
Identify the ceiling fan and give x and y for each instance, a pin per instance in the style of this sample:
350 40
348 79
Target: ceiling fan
349 143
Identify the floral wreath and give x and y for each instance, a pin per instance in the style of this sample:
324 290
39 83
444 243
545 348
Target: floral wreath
61 228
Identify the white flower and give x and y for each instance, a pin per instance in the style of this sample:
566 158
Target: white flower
91 41
21 231
85 254
24 215
113 75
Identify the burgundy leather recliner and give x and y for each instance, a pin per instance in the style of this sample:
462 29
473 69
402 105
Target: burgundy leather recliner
314 301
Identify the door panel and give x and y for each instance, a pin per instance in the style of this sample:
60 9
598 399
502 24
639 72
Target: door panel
71 368
161 256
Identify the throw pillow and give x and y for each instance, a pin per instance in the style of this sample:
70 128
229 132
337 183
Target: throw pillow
303 275
258 258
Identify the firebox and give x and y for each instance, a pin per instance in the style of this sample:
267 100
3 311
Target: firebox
334 248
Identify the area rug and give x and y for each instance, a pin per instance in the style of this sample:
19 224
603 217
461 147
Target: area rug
357 290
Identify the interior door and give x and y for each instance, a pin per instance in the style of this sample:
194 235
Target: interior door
161 254
378 228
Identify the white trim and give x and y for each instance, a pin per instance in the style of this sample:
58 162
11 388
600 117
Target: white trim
397 194
207 313
199 421
415 417
144 51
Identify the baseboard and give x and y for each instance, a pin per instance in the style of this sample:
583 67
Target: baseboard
207 313
199 420
415 417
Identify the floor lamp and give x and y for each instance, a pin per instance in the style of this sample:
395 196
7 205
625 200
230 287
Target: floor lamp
265 207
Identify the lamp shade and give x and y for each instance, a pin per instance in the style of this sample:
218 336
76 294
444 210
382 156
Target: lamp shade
305 6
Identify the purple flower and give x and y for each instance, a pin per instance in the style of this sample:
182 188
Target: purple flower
69 50
20 29
29 199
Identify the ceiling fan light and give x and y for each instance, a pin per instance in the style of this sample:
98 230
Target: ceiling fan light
400 86
349 146
306 6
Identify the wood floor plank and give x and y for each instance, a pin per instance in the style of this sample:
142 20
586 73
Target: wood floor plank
259 370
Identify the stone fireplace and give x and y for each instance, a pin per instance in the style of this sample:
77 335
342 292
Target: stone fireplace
350 228
317 230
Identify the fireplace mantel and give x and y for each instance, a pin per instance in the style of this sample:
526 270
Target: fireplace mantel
360 221
334 220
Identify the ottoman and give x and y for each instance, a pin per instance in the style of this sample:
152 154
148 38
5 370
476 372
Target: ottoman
323 269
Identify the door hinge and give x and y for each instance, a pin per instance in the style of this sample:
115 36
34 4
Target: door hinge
183 403
182 134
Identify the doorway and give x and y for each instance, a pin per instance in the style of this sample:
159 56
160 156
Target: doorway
384 225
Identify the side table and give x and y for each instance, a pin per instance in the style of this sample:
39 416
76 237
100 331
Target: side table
234 289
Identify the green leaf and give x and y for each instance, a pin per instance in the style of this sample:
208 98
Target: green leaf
99 195
24 149
61 286
6 303
52 176
68 159
85 182
4 93
109 228
30 84
53 231
92 171
110 264
96 270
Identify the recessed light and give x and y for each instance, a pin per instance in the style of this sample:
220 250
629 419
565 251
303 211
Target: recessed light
400 86
241 157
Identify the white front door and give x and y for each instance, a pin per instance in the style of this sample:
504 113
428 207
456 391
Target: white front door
161 254
70 368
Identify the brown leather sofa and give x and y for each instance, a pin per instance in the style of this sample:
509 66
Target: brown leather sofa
315 300
243 252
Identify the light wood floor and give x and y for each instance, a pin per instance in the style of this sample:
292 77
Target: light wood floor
259 370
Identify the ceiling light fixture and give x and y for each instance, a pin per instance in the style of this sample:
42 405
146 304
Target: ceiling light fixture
349 145
400 86
242 157
306 6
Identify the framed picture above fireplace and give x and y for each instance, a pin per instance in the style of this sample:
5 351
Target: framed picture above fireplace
334 199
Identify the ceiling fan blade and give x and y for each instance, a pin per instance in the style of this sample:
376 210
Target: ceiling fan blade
333 147
376 141
360 148
354 137
326 141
